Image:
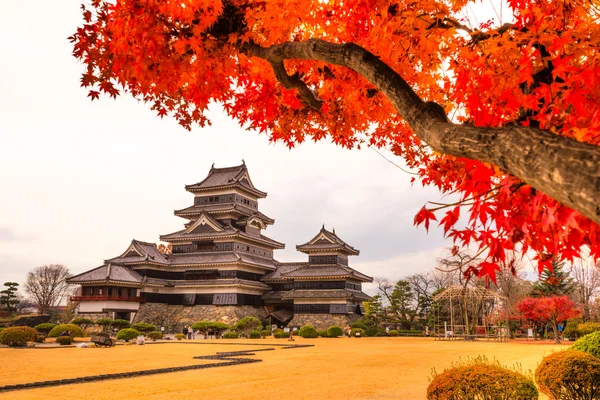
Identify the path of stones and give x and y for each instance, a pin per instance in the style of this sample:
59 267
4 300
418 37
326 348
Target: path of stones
227 357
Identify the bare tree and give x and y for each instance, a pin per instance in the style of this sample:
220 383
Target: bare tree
422 285
47 286
511 284
586 275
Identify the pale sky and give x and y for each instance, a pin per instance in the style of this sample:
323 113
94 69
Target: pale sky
79 180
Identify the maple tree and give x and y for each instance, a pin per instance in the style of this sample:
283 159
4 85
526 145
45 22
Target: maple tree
552 310
505 117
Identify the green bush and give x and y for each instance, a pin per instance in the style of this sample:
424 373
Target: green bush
308 331
155 335
83 323
230 335
586 328
277 330
18 336
247 325
393 332
480 379
277 335
569 374
359 325
359 331
571 332
120 324
255 335
180 336
334 331
104 322
323 333
144 327
45 327
265 333
59 329
64 340
589 344
285 335
127 334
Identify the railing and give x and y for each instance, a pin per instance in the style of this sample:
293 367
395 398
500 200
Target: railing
108 298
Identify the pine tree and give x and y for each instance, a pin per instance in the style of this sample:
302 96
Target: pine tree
555 282
8 296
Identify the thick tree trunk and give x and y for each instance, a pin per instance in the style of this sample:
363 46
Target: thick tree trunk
562 168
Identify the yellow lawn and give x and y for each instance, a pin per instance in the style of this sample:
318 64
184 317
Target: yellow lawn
342 368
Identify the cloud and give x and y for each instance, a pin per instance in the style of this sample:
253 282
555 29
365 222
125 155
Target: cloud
10 235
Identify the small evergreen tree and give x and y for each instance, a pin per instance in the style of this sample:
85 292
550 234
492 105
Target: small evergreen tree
555 282
8 297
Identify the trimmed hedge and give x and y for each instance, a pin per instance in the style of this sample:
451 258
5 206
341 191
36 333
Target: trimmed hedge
144 327
589 344
230 335
334 331
281 335
361 332
308 332
18 336
323 333
277 330
265 332
180 336
479 379
64 340
359 325
127 334
586 328
45 327
120 324
59 329
393 332
255 335
569 374
155 335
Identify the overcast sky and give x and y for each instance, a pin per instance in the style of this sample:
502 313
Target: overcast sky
79 180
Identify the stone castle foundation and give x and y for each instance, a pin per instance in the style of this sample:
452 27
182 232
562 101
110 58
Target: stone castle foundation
324 321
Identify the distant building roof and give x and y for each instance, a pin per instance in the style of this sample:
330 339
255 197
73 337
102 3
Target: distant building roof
193 211
316 294
227 177
327 241
139 251
108 273
291 271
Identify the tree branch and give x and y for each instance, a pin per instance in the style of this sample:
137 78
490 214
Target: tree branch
294 82
562 168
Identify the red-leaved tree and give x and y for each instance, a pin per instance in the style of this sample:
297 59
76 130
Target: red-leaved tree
548 310
504 116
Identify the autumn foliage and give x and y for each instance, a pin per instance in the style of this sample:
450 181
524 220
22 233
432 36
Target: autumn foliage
541 70
569 374
551 310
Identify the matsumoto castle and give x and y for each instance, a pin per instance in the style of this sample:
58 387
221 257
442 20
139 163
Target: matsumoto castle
222 268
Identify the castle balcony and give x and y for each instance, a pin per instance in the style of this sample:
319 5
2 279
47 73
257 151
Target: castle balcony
136 299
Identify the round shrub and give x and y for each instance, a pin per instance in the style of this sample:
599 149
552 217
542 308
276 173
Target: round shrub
45 327
480 379
64 340
308 331
18 336
277 335
569 374
277 330
255 335
393 332
285 335
155 335
230 335
120 324
144 327
359 325
334 331
357 332
180 336
127 334
586 328
59 329
265 333
323 333
83 323
589 344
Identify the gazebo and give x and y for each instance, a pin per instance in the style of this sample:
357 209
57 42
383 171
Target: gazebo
467 313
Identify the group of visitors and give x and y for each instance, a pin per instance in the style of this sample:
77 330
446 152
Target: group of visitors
189 332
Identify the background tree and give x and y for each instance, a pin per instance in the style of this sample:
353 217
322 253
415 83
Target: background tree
47 286
586 276
402 303
511 284
502 115
422 286
8 296
554 282
552 310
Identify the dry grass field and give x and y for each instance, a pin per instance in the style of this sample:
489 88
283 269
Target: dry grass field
342 368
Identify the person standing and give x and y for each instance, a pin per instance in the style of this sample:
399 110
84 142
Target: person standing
185 331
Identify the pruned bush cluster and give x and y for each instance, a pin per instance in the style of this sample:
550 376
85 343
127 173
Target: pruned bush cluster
230 335
334 331
75 330
569 375
155 335
589 344
45 328
308 331
64 340
127 334
18 336
357 332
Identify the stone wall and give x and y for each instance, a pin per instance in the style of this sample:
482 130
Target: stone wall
324 321
94 316
173 318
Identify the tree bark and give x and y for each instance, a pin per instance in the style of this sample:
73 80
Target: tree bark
562 168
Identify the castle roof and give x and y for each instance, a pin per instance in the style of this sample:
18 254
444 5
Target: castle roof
301 271
316 294
221 178
215 209
108 273
139 251
327 241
